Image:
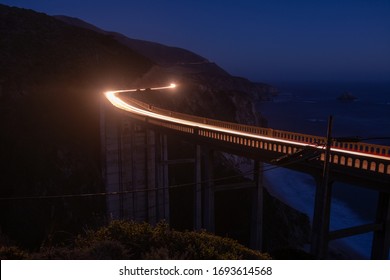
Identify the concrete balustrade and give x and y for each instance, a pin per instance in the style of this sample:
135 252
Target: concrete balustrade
364 162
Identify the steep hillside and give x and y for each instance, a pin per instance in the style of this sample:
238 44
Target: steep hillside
199 78
51 79
159 53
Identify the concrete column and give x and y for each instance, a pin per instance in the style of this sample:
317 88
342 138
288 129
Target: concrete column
150 176
126 169
140 155
111 157
162 173
381 240
131 187
208 207
120 169
321 219
256 239
130 153
198 189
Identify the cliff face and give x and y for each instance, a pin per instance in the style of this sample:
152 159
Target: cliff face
52 75
198 78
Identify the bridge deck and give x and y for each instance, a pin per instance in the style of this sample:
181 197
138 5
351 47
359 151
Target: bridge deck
359 163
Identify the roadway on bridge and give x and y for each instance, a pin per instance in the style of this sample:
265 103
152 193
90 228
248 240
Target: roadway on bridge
117 101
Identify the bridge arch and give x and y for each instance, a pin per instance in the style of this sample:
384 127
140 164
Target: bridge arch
373 166
365 164
336 159
381 168
357 163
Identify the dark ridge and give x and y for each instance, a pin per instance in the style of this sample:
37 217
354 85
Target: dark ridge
156 51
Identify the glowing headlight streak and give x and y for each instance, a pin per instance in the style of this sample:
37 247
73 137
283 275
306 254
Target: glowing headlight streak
166 87
121 104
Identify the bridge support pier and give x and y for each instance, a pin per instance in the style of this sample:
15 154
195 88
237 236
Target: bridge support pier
150 177
381 240
162 178
209 214
204 189
135 169
156 177
198 189
321 219
256 239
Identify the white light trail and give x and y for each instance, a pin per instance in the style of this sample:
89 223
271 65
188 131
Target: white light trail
121 104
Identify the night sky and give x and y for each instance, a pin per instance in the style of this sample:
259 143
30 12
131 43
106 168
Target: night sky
263 40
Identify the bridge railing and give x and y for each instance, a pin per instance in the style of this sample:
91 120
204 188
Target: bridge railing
363 148
359 162
269 132
339 158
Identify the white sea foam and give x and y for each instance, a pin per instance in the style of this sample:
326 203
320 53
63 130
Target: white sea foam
298 190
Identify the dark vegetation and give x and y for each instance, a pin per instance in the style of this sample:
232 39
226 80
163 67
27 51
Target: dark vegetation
134 241
52 76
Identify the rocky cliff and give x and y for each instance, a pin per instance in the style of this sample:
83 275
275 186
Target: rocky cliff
51 79
197 76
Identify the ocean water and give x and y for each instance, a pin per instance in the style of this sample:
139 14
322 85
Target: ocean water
305 108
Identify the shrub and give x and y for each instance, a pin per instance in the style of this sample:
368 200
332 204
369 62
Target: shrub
130 240
142 241
12 253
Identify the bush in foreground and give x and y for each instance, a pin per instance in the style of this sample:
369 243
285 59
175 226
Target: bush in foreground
130 240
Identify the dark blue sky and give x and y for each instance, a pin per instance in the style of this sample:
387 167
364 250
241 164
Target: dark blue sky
263 40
